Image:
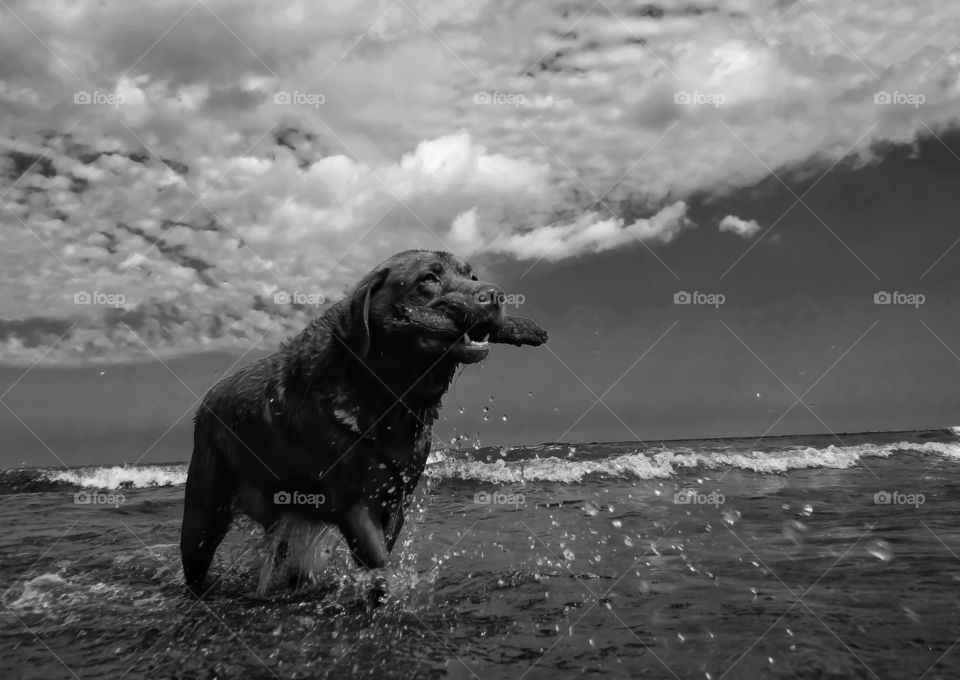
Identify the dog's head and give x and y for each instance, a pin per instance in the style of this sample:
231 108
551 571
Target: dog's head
430 307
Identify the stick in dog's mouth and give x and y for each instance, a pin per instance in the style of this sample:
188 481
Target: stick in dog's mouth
439 333
509 330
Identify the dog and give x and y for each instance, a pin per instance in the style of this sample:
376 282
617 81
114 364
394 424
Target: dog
342 413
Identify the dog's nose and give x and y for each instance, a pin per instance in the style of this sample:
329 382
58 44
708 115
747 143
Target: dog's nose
489 297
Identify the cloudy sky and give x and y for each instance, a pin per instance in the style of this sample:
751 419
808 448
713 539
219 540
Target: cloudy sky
169 170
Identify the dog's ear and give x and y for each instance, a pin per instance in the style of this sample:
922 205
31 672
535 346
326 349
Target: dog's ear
357 330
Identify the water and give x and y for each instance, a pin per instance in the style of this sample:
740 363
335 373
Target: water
695 559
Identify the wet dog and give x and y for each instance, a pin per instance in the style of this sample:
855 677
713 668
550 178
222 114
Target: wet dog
340 417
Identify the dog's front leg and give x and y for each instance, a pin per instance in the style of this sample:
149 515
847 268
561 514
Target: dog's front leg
364 535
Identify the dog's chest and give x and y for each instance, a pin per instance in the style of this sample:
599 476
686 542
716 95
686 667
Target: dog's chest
394 430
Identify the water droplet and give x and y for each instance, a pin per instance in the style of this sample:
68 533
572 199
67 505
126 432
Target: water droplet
881 550
794 531
617 523
591 508
503 418
461 410
627 541
731 516
491 399
912 615
681 637
807 509
530 393
568 554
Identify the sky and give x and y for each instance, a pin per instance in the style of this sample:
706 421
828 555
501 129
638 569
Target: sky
735 218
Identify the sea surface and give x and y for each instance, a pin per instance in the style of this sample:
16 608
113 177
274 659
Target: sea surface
793 557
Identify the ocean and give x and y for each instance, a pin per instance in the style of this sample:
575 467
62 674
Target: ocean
792 557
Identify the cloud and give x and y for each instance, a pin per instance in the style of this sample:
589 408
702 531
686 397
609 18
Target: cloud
742 228
203 157
589 234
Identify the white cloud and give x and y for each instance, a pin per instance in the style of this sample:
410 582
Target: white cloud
590 234
742 228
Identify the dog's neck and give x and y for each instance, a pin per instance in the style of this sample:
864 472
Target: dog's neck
383 391
385 379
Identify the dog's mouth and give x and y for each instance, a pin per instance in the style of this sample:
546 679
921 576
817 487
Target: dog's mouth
464 349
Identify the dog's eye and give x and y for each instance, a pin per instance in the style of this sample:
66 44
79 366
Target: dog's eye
429 277
474 277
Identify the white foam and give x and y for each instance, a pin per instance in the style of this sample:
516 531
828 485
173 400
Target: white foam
667 463
662 464
121 476
38 594
550 469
